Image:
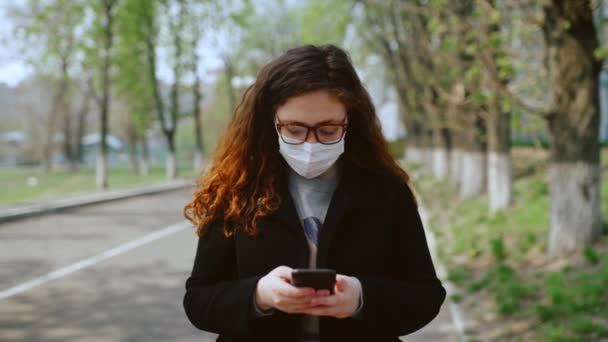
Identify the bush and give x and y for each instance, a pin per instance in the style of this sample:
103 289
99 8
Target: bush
498 248
459 275
591 256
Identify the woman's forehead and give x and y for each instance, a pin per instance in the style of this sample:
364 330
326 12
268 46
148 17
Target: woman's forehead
312 108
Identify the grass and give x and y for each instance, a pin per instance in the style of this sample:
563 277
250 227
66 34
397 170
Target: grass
501 259
64 183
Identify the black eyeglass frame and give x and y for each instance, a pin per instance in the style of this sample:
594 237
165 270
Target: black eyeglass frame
314 128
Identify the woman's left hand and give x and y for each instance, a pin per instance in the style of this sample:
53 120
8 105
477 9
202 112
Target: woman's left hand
341 304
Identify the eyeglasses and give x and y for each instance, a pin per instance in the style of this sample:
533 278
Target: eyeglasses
326 133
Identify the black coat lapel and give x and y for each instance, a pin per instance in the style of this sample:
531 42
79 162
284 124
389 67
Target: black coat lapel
340 201
287 212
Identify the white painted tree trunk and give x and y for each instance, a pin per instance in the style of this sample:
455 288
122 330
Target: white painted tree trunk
422 156
171 167
101 172
144 166
144 156
198 161
440 162
413 155
473 178
575 213
427 159
500 184
455 165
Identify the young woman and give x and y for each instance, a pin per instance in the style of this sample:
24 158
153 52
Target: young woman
302 178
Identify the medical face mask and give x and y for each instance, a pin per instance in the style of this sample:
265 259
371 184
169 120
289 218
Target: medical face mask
310 160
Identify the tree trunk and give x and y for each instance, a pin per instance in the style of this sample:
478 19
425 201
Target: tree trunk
500 178
498 121
575 214
474 167
82 120
425 149
171 163
574 176
48 147
440 162
229 74
67 139
441 152
198 161
101 174
196 113
144 166
102 165
455 172
473 173
132 138
413 152
67 115
158 101
54 114
177 28
456 165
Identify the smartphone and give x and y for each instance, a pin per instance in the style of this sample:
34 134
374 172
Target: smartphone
317 278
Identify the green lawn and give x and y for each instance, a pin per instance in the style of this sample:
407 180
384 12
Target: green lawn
18 188
502 260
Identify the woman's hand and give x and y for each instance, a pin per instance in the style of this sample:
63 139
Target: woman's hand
342 303
274 290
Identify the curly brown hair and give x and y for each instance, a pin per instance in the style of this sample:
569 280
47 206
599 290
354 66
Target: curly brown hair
242 184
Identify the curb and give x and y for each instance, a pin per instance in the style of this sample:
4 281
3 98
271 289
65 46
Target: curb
458 318
455 311
32 210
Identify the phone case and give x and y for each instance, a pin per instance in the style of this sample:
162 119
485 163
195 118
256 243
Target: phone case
319 278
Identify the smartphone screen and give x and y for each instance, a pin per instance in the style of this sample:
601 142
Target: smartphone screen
317 278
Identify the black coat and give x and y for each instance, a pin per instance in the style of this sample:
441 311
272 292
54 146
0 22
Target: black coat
372 231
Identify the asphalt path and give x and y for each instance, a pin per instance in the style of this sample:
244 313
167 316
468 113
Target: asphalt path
110 272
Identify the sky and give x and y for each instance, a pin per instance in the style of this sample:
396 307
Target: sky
14 68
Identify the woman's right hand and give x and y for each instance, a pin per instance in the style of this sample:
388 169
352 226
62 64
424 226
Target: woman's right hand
275 290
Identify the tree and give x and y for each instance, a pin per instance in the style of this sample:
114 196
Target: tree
51 27
197 15
573 118
492 64
104 26
496 72
99 51
133 85
385 35
151 27
424 46
82 115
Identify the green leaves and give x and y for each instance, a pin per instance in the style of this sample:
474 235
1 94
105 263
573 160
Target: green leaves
49 32
601 52
323 21
135 24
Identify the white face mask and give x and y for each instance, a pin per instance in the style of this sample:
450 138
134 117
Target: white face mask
310 160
